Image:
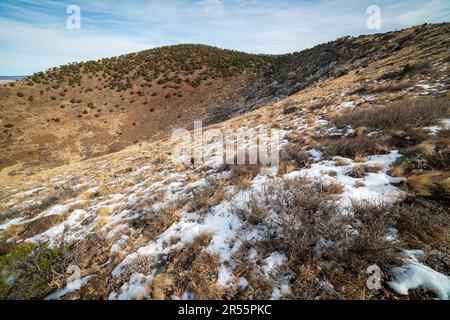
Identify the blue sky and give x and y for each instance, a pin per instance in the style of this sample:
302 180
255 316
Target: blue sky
34 36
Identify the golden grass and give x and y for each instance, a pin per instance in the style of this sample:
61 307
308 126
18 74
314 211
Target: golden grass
361 131
421 185
361 171
359 157
341 162
397 171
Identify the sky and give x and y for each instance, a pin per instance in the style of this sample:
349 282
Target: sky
34 34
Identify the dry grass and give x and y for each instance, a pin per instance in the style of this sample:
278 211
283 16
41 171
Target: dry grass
317 240
398 115
294 154
355 147
361 171
423 225
190 269
243 175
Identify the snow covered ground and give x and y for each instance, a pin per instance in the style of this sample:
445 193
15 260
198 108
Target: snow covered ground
113 213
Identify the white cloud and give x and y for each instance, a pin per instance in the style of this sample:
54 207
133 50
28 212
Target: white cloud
35 48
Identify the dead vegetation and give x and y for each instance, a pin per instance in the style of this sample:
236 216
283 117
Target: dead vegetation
190 269
36 271
294 153
354 147
329 253
152 223
360 171
398 115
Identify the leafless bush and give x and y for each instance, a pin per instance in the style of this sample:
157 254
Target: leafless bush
402 114
295 153
362 170
322 244
37 270
354 146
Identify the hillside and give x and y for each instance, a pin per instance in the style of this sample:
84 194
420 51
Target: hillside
363 183
83 110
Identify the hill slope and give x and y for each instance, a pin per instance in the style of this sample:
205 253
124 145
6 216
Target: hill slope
88 109
363 183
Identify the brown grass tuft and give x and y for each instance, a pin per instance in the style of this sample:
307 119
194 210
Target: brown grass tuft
398 115
356 147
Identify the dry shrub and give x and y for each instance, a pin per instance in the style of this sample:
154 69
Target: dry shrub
190 269
243 174
294 153
322 245
354 146
152 223
398 115
361 171
207 197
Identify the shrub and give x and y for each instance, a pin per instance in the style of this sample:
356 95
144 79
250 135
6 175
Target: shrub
321 244
36 270
243 174
354 147
402 114
290 107
362 170
295 153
